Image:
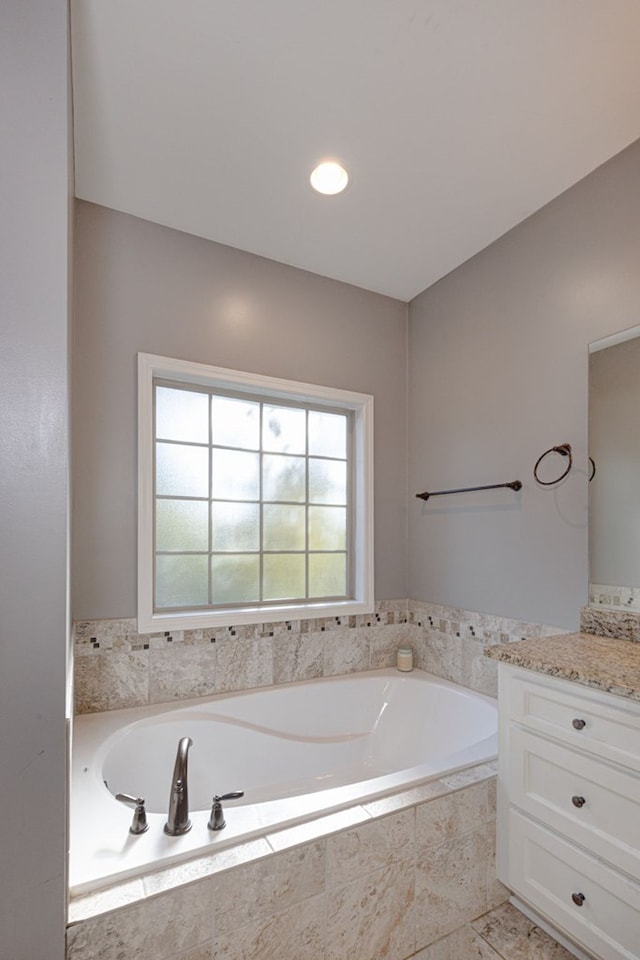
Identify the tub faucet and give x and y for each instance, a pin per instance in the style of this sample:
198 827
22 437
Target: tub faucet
178 820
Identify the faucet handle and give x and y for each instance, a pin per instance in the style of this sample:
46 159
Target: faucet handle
216 820
139 823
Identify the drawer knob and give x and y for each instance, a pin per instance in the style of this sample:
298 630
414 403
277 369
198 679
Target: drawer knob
578 801
578 898
578 724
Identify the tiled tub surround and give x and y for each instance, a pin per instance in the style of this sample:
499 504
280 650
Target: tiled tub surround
377 881
381 880
116 667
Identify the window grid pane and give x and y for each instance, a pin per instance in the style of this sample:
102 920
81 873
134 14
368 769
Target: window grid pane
278 518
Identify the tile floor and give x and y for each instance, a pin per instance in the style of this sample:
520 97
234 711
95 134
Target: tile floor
502 934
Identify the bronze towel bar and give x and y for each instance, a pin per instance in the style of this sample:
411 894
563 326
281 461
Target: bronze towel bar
514 485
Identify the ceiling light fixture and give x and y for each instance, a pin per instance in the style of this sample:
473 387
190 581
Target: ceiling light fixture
329 178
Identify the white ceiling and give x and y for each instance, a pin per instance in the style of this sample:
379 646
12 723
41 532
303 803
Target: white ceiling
455 118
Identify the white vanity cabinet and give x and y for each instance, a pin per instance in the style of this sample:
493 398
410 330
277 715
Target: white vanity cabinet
569 808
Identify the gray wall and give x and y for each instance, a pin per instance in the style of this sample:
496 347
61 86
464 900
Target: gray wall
614 443
34 191
498 374
142 287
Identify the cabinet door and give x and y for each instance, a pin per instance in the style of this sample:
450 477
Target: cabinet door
595 905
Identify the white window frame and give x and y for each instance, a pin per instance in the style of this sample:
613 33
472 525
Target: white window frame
151 367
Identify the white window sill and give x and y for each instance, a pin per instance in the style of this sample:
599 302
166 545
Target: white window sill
209 620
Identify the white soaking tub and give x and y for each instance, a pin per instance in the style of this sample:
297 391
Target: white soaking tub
298 751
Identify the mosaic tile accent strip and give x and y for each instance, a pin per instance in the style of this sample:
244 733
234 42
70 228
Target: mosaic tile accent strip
452 642
620 624
617 598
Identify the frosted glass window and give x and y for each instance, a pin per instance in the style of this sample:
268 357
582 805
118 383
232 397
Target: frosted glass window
182 470
327 481
254 496
283 478
182 525
235 579
327 434
327 528
181 580
235 423
284 429
236 475
284 576
327 575
284 527
182 415
235 526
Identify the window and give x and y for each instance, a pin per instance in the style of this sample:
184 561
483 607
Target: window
255 498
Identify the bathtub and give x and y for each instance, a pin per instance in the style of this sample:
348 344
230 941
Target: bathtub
298 751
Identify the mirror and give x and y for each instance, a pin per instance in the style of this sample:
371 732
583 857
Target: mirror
614 493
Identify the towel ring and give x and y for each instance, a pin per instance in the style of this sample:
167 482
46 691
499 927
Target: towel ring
564 449
593 469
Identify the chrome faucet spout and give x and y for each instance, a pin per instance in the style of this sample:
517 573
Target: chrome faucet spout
178 821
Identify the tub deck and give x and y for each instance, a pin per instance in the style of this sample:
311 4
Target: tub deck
302 753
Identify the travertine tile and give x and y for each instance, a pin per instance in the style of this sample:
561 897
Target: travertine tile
297 656
399 606
372 917
516 937
317 828
199 867
100 629
463 944
180 672
258 890
450 885
111 680
441 654
103 901
242 664
156 929
479 673
345 651
297 932
408 798
497 893
463 778
492 798
203 952
443 818
385 842
385 640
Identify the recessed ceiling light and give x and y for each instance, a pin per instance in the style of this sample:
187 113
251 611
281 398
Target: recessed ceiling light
329 178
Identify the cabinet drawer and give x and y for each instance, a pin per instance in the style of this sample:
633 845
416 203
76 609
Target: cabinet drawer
595 905
604 725
588 800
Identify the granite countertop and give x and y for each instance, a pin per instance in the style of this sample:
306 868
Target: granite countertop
600 662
